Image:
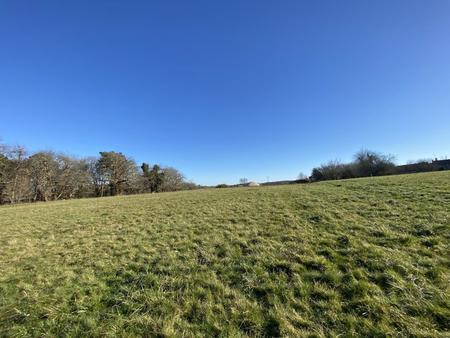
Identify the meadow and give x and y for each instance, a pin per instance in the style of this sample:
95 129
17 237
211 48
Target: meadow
360 257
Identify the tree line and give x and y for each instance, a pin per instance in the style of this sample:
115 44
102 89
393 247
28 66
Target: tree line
45 176
366 163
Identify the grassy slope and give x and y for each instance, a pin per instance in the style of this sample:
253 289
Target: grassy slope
364 256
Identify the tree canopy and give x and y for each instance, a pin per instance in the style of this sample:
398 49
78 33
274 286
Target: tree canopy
44 176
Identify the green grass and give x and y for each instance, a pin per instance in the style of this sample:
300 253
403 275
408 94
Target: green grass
367 257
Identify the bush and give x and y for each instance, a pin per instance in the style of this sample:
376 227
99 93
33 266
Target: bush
366 163
370 163
333 170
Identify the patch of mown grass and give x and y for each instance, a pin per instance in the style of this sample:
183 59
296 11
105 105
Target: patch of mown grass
367 257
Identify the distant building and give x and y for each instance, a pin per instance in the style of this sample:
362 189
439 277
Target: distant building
441 164
253 184
423 166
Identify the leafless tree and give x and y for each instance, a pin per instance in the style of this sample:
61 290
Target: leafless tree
17 180
370 163
43 171
47 176
73 178
173 179
302 176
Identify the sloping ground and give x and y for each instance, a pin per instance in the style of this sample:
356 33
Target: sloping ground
358 257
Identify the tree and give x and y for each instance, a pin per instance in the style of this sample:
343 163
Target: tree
302 177
4 165
333 170
366 163
316 175
154 178
96 179
73 179
173 180
42 172
17 182
370 163
47 176
243 180
115 170
145 169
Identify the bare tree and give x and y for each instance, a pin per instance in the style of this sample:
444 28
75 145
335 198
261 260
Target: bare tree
4 165
302 176
72 177
46 176
17 182
173 179
370 163
366 163
43 170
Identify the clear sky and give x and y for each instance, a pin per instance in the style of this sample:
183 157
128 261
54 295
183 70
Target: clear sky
227 89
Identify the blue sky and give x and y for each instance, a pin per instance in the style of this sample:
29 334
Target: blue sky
227 89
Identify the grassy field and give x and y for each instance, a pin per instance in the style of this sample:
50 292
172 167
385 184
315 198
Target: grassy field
366 257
